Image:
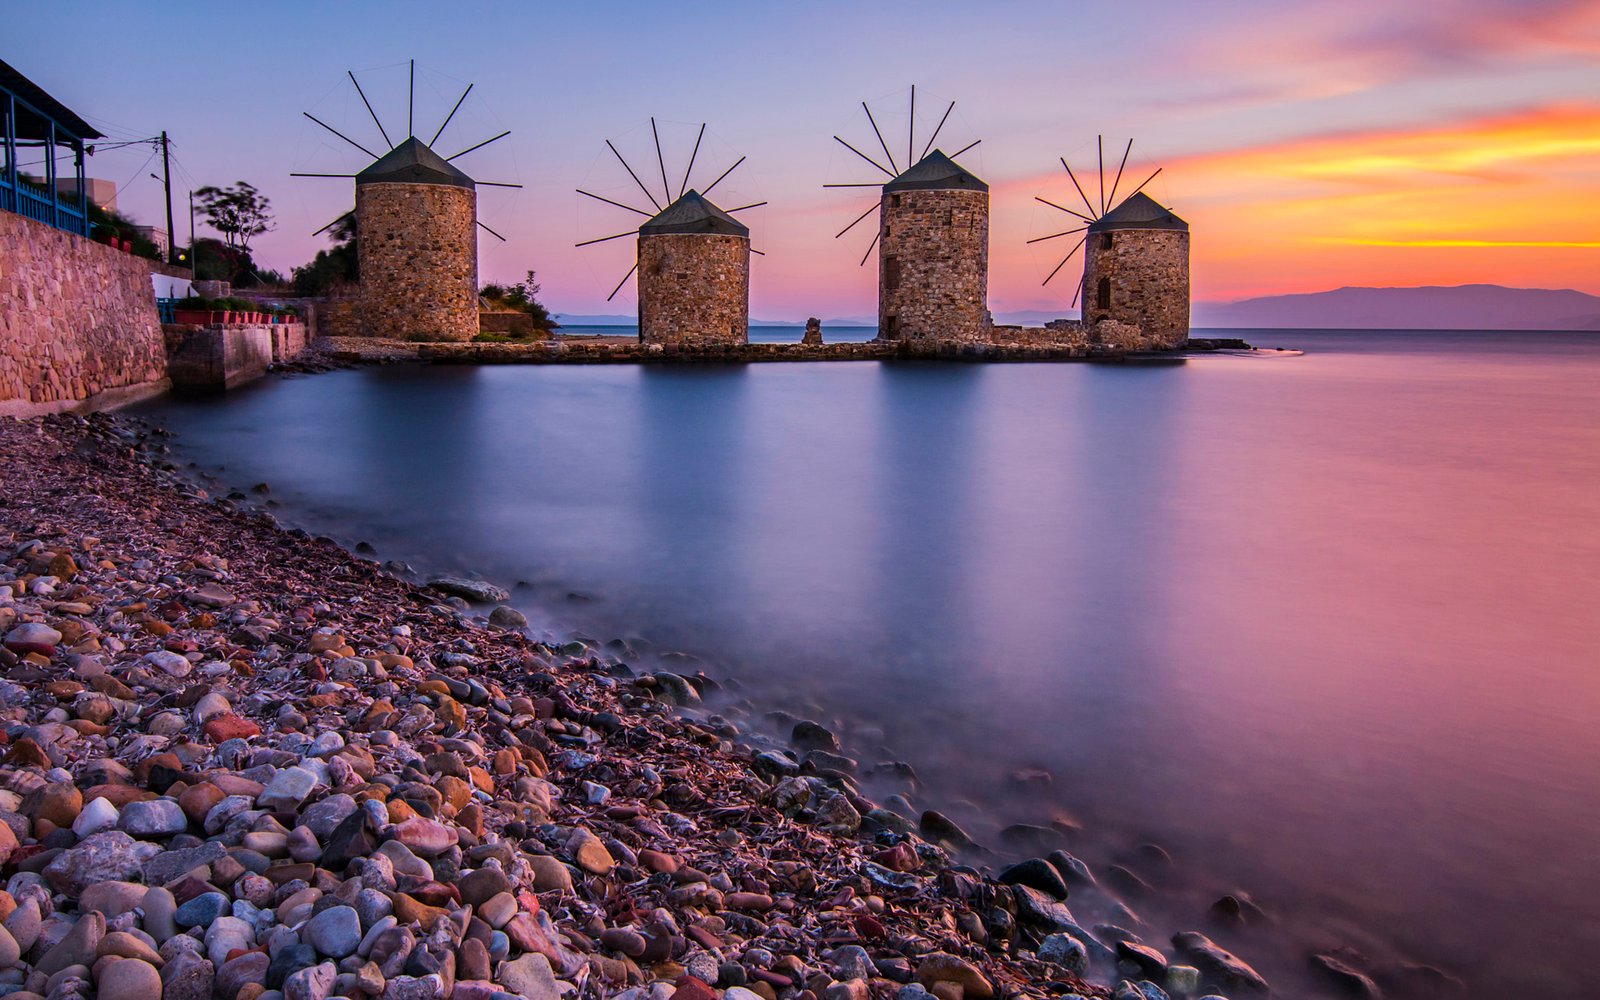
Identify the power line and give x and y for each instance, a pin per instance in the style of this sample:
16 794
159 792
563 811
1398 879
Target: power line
136 173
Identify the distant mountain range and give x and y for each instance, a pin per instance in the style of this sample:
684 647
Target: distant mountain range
1432 307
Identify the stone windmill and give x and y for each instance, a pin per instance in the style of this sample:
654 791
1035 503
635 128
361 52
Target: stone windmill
1136 258
932 239
416 221
693 261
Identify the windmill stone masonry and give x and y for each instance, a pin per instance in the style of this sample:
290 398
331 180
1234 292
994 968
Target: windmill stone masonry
694 276
933 253
416 237
1136 271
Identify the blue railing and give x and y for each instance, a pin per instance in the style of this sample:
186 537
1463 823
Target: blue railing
20 195
168 310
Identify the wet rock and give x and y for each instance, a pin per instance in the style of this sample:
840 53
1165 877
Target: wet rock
425 837
1149 962
97 816
32 637
153 819
314 983
1127 881
203 910
78 947
808 736
508 618
1218 963
234 974
287 960
1072 871
57 803
942 967
130 979
1036 873
1066 951
112 856
940 829
1343 977
187 976
287 789
429 987
334 932
476 591
169 663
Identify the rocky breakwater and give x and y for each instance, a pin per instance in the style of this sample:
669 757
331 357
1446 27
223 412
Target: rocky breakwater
237 763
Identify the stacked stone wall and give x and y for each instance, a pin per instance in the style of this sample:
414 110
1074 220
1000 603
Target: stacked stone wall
1148 272
418 246
694 289
517 324
933 265
78 322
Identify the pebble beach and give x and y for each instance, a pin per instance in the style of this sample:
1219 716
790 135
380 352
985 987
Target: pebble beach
240 763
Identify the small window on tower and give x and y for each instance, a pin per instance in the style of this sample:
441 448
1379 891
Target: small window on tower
894 201
1102 295
1105 241
891 273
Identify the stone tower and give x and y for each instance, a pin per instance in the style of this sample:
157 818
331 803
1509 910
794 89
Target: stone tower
417 247
933 253
694 276
1136 270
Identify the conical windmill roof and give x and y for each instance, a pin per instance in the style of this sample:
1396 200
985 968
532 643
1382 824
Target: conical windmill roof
936 172
692 213
1138 212
412 162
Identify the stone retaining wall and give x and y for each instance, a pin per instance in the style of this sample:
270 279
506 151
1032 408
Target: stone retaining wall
225 356
517 324
78 323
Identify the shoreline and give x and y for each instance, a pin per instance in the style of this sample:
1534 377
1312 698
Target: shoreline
898 886
613 350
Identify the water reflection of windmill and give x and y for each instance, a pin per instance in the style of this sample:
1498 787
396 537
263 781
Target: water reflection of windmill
932 239
416 216
693 257
1136 255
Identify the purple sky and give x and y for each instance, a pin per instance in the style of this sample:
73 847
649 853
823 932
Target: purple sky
1309 144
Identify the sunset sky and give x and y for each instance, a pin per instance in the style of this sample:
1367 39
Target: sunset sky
1309 145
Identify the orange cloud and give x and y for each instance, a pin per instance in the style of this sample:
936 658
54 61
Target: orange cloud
1511 199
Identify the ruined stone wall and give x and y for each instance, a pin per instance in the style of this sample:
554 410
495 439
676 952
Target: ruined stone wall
78 322
694 289
1148 275
933 265
517 324
418 246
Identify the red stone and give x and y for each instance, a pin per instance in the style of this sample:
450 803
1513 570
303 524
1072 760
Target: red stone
868 927
229 726
690 988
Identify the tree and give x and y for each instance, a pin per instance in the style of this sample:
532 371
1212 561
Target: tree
333 267
522 298
240 213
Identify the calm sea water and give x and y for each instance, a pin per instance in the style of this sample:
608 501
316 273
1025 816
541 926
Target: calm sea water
1327 627
765 334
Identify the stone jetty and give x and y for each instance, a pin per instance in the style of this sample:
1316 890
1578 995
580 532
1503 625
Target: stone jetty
239 763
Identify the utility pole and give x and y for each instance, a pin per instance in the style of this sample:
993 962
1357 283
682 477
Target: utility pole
166 182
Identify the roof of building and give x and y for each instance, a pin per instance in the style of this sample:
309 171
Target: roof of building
936 172
30 126
692 213
412 162
1139 211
